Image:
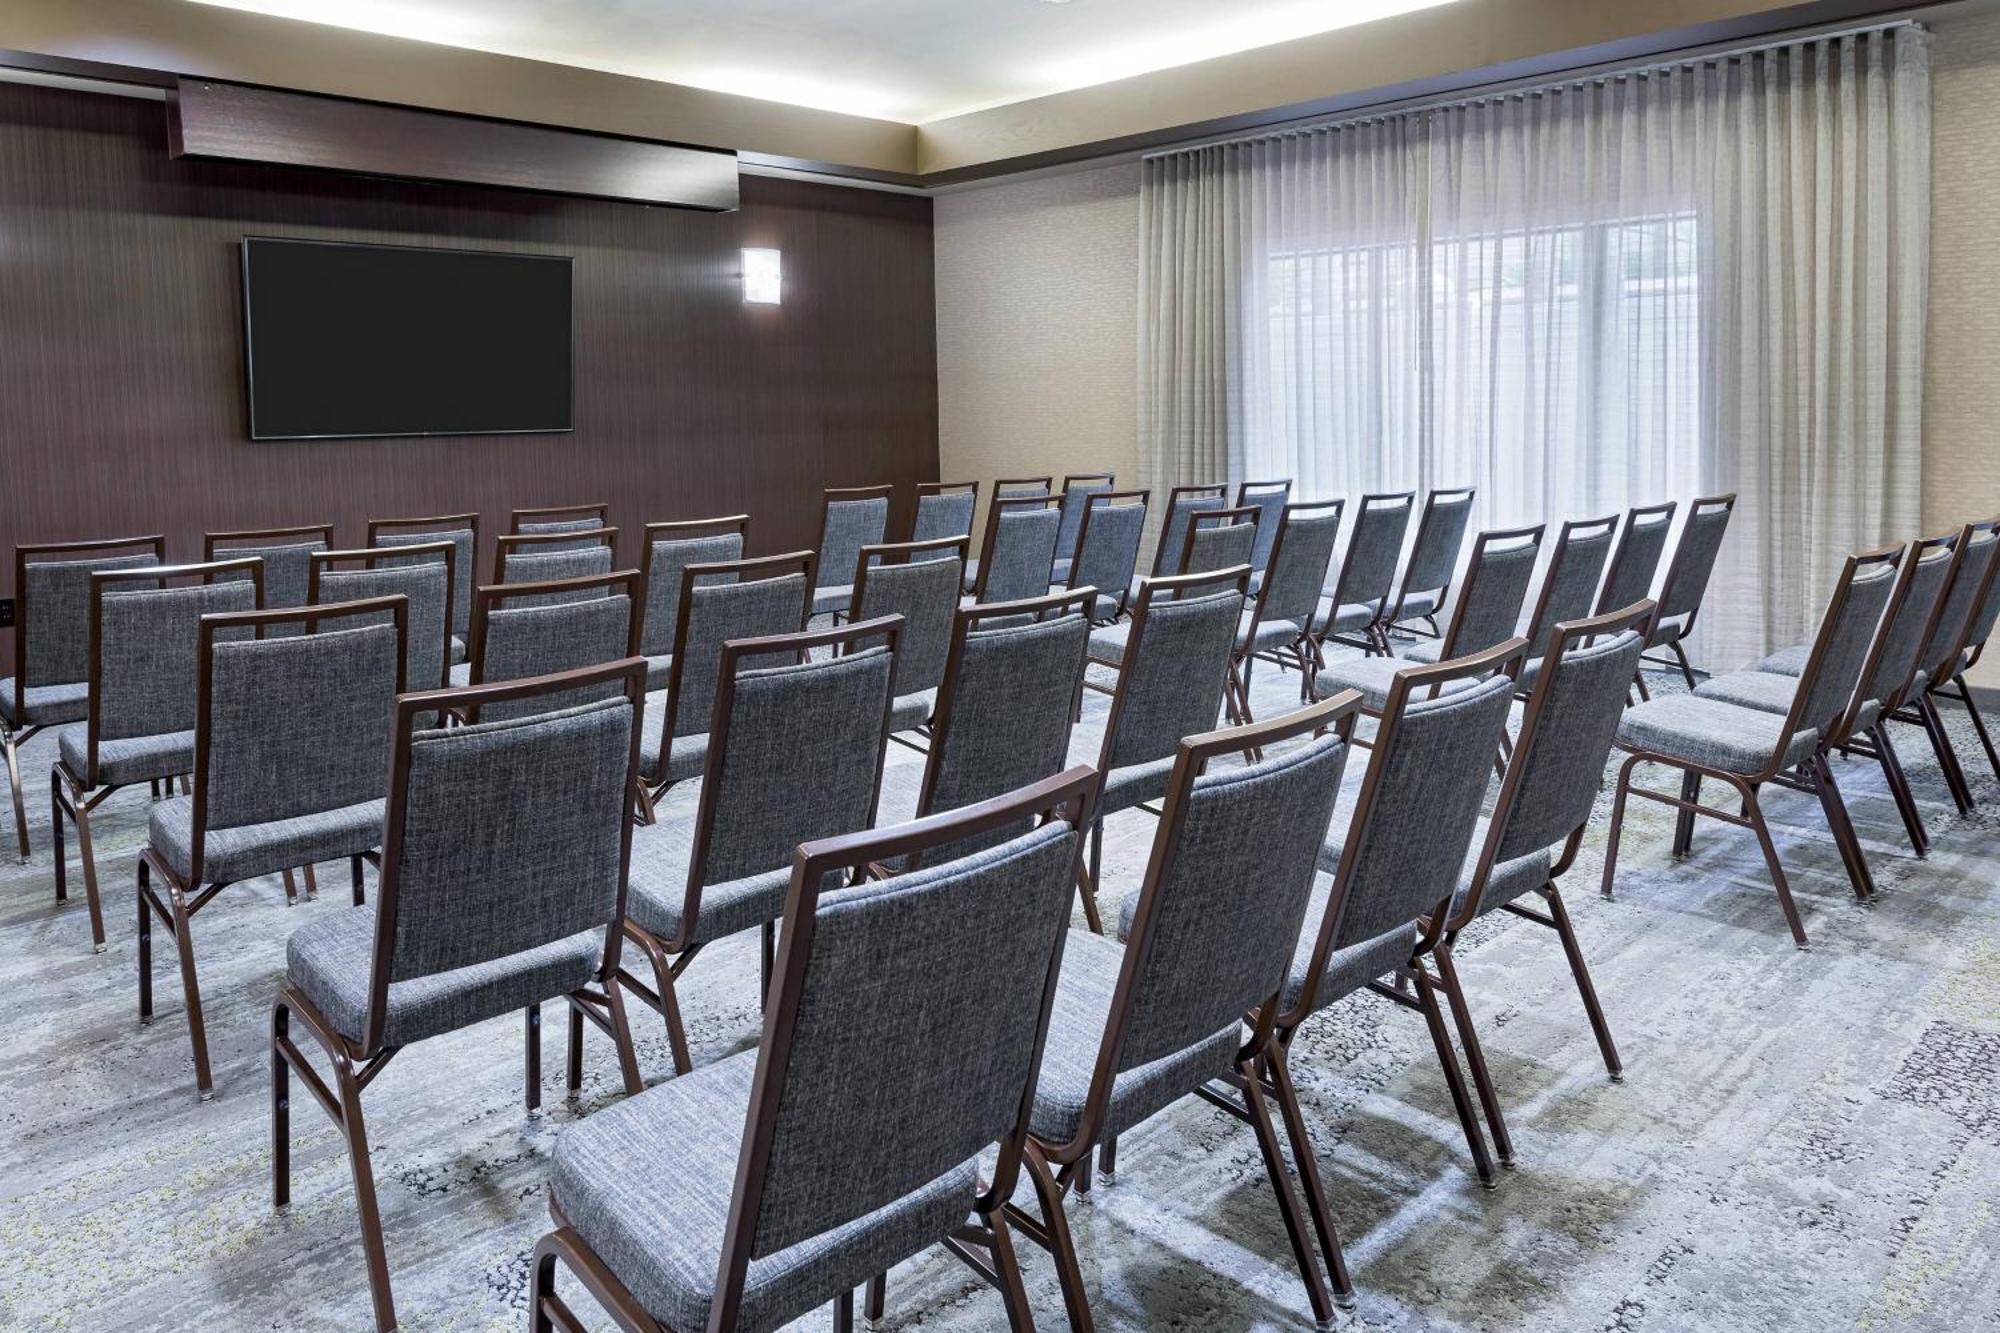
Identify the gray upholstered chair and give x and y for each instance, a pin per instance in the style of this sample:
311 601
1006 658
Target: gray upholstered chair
1569 586
1268 498
1217 540
1485 613
1686 582
918 581
554 520
670 549
851 517
1172 683
287 555
1107 550
795 753
1950 682
718 601
1972 581
1897 672
426 584
944 509
527 630
1208 941
1005 706
291 758
1277 626
145 624
1433 560
544 557
1539 816
1182 503
1642 540
502 885
1016 558
1352 610
1394 870
1075 495
1749 748
743 1195
462 531
51 680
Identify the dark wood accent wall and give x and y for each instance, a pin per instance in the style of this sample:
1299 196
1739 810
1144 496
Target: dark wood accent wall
122 400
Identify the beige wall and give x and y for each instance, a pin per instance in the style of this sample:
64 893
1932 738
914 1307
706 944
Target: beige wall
1962 356
1038 327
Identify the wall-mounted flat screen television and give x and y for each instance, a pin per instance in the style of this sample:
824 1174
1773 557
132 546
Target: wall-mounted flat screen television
353 340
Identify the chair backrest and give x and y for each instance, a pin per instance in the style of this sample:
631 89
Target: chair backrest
1433 558
528 630
1268 498
1892 660
1006 706
723 600
1300 557
462 531
145 644
287 555
1372 551
1641 542
1225 891
1840 649
909 579
1970 584
1979 627
544 557
506 836
1419 803
873 1010
1557 765
1219 539
294 725
671 548
1019 551
52 605
1077 488
1569 589
1495 588
425 585
944 509
1694 557
1176 665
795 750
1014 488
851 517
1183 502
555 520
1107 548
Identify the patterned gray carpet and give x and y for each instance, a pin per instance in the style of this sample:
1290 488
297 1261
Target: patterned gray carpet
1803 1140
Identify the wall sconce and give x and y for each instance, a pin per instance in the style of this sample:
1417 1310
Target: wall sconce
763 276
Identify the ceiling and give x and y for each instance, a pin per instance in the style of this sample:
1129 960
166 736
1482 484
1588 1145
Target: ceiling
913 61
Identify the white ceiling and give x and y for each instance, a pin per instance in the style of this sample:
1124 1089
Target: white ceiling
906 60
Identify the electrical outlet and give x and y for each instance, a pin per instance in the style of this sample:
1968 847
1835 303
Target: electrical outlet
6 612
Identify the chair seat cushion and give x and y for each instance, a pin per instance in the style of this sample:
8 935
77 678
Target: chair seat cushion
659 670
1348 618
912 710
685 759
1059 571
1667 631
45 705
249 850
330 961
1076 1029
1135 784
1348 969
461 675
1107 643
837 597
1509 880
1416 605
1765 691
1271 634
648 1183
1373 677
1787 661
1726 737
1102 607
657 896
458 649
130 758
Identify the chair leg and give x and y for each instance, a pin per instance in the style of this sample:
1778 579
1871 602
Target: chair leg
573 1064
843 1312
13 758
291 887
145 947
1617 824
281 1106
1475 1055
191 990
1947 755
1303 1252
374 1254
1566 932
1317 1206
1107 1159
56 834
670 1006
1086 887
1899 787
311 883
1687 667
532 1062
357 868
1006 1271
1978 723
1454 1079
1684 819
767 959
1754 811
1062 1246
621 1037
81 814
1842 825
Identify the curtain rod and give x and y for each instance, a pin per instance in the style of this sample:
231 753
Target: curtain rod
1541 87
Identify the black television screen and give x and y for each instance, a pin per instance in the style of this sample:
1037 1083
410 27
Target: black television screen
349 339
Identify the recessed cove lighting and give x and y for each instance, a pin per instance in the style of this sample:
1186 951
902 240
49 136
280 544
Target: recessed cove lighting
763 276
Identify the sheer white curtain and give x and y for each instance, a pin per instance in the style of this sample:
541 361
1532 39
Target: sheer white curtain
1650 285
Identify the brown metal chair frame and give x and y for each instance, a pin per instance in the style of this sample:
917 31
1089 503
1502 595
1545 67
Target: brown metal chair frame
901 553
1375 635
1300 648
525 543
1815 775
1160 552
1042 485
77 795
1395 614
186 896
373 556
1963 658
1686 668
1065 796
557 514
215 544
11 738
1055 1169
1276 1069
993 511
1091 504
1635 517
356 1063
